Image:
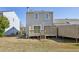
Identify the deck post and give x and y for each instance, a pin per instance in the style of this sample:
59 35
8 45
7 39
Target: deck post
40 35
45 37
76 40
56 37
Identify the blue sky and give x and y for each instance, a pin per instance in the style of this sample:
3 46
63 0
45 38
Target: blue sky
58 12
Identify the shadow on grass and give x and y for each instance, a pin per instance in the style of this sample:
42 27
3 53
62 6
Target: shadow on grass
76 44
64 39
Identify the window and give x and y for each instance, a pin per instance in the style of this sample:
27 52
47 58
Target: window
13 19
46 17
36 16
36 29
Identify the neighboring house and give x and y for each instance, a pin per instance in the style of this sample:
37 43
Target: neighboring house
66 21
14 21
38 21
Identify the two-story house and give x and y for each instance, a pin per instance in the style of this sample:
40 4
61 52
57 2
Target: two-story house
39 22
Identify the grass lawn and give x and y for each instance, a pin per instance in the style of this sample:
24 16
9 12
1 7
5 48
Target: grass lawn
12 44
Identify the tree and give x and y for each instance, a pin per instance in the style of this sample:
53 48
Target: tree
4 23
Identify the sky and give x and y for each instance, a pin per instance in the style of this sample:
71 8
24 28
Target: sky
58 12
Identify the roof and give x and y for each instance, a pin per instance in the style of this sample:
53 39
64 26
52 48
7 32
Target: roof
69 19
7 11
65 20
39 12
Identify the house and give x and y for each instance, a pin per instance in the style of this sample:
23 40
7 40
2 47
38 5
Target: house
14 21
39 23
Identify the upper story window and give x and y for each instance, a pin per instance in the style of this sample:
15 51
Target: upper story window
13 19
36 16
46 17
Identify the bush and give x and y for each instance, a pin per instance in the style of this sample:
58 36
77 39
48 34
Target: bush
4 23
2 32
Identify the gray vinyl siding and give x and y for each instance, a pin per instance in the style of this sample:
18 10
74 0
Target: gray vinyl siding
68 31
38 19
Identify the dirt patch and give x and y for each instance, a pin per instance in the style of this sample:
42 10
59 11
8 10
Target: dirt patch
12 44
